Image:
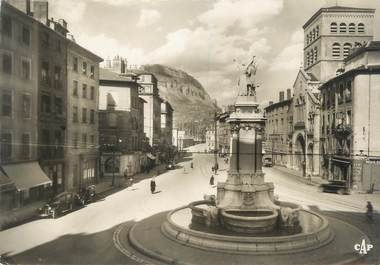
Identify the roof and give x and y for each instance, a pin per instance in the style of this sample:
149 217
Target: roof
310 77
107 75
355 71
343 9
278 104
84 50
313 78
370 46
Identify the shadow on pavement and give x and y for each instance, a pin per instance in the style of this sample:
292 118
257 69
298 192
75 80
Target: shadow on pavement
97 248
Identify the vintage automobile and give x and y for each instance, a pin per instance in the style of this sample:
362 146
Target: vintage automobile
170 166
335 186
267 161
63 202
87 194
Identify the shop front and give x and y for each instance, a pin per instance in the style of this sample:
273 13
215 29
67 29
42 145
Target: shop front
31 183
341 169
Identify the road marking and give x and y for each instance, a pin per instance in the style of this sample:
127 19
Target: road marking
122 249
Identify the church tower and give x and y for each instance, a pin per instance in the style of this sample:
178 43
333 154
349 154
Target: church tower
330 34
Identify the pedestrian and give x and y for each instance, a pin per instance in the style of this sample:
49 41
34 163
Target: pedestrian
130 180
152 185
212 180
191 165
369 212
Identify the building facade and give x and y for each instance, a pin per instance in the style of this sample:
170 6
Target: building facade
166 123
305 125
82 154
223 132
120 125
350 122
210 140
19 100
278 131
330 34
148 90
52 94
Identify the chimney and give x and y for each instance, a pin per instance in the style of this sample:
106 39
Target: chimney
41 11
116 64
288 94
108 63
282 96
122 66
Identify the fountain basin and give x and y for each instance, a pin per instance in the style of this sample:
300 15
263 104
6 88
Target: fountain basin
248 220
315 233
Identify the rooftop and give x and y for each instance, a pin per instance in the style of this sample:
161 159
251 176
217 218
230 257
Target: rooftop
353 72
370 46
107 75
340 9
278 104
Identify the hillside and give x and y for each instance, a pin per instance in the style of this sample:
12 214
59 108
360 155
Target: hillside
191 103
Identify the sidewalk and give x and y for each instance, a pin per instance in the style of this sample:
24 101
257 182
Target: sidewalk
355 198
26 213
316 181
19 215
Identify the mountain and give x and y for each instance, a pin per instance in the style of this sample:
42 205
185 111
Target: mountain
193 107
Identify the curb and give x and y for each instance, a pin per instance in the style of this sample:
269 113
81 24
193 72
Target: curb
127 243
301 179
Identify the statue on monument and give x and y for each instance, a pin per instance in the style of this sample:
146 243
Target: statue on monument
247 80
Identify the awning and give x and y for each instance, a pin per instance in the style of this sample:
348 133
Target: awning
150 156
26 175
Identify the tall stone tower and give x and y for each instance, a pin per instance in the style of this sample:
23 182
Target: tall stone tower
330 34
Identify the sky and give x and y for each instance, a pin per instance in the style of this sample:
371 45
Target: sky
208 39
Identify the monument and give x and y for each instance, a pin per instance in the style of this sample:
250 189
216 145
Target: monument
244 219
245 203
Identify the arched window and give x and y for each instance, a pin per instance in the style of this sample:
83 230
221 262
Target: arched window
314 36
312 56
342 28
317 31
351 28
308 59
307 39
336 50
361 28
334 27
315 54
346 49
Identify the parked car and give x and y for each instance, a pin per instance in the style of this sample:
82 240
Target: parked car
63 202
267 162
170 166
337 186
87 194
